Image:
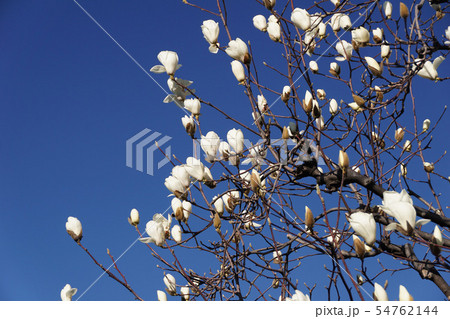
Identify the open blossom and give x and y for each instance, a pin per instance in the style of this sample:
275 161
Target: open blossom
178 88
345 49
174 185
364 225
400 206
210 144
260 23
429 69
237 49
194 167
361 36
169 61
158 230
301 19
236 140
74 228
67 293
345 22
180 173
210 30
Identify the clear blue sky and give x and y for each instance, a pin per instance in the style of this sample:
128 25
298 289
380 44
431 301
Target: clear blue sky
70 98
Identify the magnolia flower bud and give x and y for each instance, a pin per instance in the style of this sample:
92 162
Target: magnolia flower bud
277 257
193 106
356 169
170 283
161 295
360 279
259 21
359 247
320 123
74 228
217 222
301 19
364 225
236 140
447 36
436 241
407 146
345 49
210 30
189 125
285 135
308 102
379 93
176 233
377 35
428 167
237 49
321 95
426 125
385 51
262 104
387 8
309 218
345 22
343 160
134 217
404 11
224 150
210 144
184 292
255 181
316 111
67 293
399 133
187 208
333 107
180 173
274 31
269 4
403 170
335 69
175 186
238 71
379 294
195 168
404 295
355 106
286 93
177 209
374 67
313 66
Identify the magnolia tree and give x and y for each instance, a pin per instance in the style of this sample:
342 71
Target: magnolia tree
364 165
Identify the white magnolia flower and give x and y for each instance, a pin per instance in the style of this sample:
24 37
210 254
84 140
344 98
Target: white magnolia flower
387 8
356 169
322 30
385 51
134 217
308 101
374 66
377 35
177 208
333 107
193 106
195 168
174 185
218 205
247 219
161 295
286 93
256 155
364 225
259 21
236 140
345 49
298 296
361 35
403 294
334 238
407 146
335 2
379 294
189 125
345 22
262 103
184 292
320 123
313 66
187 209
157 230
224 150
334 22
238 70
178 88
67 293
210 144
210 30
335 69
269 4
301 19
274 31
74 228
245 175
321 94
180 173
429 70
447 36
237 49
170 283
426 125
169 61
400 206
